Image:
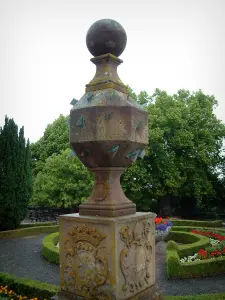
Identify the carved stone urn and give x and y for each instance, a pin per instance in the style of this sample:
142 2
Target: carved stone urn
108 129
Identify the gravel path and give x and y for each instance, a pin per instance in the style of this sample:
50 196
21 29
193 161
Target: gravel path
21 257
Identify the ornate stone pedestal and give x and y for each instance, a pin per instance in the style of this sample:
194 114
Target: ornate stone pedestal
107 252
107 258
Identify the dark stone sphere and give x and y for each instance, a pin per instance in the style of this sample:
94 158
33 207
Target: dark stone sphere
106 36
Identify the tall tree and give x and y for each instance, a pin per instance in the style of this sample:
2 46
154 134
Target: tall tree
13 177
54 140
63 182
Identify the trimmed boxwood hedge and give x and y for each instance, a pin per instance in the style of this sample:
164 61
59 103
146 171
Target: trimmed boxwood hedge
28 287
189 228
192 242
28 231
37 224
202 268
216 223
49 250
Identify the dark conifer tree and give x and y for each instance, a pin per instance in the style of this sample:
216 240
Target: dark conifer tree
15 181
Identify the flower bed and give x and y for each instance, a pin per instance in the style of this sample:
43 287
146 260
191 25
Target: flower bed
33 289
5 292
183 261
216 248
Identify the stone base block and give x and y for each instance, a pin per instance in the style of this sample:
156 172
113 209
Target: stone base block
90 209
107 258
152 293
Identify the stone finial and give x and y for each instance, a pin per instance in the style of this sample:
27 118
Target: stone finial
106 36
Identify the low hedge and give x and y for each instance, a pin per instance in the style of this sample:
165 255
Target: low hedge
202 268
189 228
28 287
37 224
28 231
192 242
49 250
216 223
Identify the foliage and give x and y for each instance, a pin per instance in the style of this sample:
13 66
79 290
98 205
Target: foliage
185 150
15 175
183 159
63 182
54 140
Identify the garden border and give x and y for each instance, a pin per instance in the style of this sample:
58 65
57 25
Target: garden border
37 224
196 269
28 231
195 223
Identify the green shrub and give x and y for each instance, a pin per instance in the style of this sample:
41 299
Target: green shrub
28 287
28 231
49 250
216 223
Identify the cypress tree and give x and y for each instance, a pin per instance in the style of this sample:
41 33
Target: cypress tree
27 180
15 186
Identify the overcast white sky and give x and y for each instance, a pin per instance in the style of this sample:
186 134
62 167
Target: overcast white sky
44 62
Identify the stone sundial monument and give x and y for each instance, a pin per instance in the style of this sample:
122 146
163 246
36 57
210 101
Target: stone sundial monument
107 251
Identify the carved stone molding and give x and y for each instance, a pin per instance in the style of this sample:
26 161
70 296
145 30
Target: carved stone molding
135 258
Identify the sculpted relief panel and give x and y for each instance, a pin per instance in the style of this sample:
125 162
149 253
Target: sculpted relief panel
84 269
136 256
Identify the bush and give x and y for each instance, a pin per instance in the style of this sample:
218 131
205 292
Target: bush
28 231
49 250
28 287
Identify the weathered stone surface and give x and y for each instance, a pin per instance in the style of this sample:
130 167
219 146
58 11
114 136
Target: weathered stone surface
106 36
107 258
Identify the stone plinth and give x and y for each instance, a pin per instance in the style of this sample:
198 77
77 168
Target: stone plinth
107 258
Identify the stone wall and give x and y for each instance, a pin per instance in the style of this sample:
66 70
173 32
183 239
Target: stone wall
42 214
